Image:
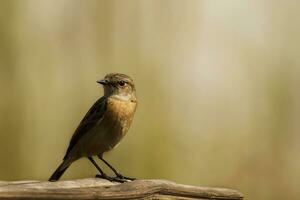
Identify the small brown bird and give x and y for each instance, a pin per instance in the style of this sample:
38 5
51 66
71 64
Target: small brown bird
104 125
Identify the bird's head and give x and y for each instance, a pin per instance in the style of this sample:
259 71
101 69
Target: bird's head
119 85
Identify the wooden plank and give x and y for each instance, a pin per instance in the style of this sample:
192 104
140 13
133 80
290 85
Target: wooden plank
94 188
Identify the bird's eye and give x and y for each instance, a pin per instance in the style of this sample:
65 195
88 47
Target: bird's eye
122 83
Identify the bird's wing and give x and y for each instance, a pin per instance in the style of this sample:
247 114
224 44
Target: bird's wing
92 117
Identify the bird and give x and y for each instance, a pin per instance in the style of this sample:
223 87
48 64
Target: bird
103 126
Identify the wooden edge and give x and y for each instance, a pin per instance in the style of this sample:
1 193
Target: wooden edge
94 188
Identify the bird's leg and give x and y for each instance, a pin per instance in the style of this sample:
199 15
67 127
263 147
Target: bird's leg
102 174
120 176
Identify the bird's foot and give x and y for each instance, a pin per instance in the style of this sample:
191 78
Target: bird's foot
120 176
111 179
104 176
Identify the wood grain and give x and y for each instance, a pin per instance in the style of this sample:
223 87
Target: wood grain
94 188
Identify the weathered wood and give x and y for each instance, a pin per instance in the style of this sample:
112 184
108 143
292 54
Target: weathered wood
94 188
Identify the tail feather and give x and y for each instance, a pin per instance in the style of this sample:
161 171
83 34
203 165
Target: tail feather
59 171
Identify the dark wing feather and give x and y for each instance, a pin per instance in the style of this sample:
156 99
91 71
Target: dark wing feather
92 117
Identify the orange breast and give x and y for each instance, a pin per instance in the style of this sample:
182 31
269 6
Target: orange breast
121 112
121 108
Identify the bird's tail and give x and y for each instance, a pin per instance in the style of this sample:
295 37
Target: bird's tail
59 171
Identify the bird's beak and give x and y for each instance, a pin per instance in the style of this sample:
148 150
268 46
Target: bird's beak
102 82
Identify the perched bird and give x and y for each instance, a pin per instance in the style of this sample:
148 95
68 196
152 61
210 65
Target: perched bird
104 125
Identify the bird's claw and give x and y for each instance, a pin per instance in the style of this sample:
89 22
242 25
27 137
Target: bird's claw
125 177
104 176
112 179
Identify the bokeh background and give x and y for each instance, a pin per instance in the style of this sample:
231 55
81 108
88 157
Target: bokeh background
217 81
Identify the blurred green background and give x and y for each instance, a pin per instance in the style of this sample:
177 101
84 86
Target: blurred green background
217 81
